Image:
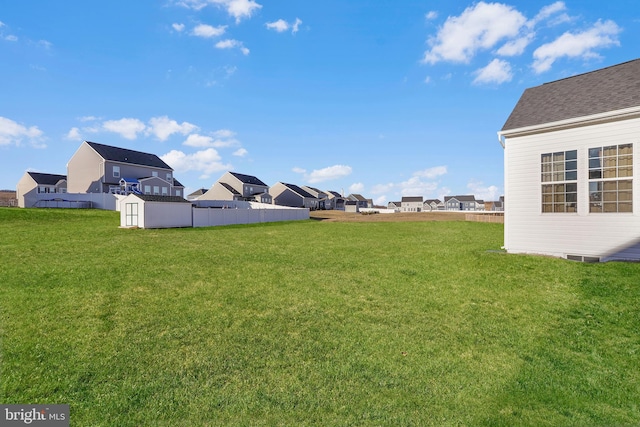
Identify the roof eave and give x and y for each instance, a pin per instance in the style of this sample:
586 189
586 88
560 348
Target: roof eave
609 116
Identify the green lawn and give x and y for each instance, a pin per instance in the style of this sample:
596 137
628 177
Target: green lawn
310 323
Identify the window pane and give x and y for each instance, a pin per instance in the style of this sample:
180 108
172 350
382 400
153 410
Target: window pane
595 207
610 173
624 196
558 207
546 158
611 150
610 207
625 185
625 149
609 162
547 167
547 208
572 188
610 197
572 208
610 185
571 155
572 197
571 176
571 166
595 174
625 207
557 157
624 161
558 166
625 171
547 189
558 176
595 186
546 177
594 163
547 198
558 198
594 152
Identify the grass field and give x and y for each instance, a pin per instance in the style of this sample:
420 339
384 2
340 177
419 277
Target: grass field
310 323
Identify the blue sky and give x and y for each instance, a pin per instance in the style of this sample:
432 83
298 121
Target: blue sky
385 98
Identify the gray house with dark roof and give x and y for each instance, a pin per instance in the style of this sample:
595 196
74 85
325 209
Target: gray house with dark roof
99 168
33 183
461 203
238 186
293 196
571 167
411 204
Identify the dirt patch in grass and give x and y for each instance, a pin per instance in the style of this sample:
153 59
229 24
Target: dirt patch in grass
341 216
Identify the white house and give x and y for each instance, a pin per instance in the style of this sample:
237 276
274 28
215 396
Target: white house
571 167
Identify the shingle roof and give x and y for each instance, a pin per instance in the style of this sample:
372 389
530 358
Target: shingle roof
124 155
166 199
230 188
412 199
608 89
248 179
46 178
299 190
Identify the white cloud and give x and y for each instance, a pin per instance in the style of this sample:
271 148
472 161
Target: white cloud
88 118
239 9
382 188
380 201
357 187
163 127
230 44
241 152
482 192
498 71
280 25
221 138
207 161
479 27
414 186
178 27
12 132
74 134
208 31
125 127
546 12
431 173
431 15
299 170
516 47
576 45
296 25
329 173
11 38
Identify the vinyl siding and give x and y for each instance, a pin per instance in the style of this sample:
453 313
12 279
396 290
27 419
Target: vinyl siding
528 230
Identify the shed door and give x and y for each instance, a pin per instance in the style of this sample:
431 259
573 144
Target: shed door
131 214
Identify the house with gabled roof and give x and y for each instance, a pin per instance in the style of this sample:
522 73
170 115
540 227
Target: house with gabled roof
240 187
196 194
460 203
360 200
337 201
100 168
291 195
411 204
431 205
33 183
324 202
571 167
395 206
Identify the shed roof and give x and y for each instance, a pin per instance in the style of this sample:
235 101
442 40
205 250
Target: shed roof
46 178
165 199
608 89
124 155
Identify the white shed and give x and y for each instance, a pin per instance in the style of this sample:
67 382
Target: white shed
571 165
147 211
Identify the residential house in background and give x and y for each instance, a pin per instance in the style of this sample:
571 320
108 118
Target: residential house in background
99 168
412 204
361 202
291 195
397 206
196 194
237 186
324 202
460 203
571 165
431 205
33 183
337 201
